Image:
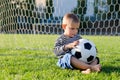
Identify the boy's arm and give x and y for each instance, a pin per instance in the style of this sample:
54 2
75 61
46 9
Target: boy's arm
59 50
60 46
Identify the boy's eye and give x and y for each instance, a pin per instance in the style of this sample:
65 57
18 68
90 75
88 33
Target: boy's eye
74 28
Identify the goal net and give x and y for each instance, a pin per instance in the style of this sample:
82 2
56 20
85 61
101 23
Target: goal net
98 17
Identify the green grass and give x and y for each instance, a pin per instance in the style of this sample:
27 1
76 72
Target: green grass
31 57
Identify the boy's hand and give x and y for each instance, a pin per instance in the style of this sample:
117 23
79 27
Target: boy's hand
71 45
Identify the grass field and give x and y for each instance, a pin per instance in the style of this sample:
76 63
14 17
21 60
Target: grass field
31 57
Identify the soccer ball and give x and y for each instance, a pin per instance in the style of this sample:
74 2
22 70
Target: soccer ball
85 51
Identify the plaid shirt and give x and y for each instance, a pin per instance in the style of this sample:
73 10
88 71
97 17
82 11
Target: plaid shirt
61 41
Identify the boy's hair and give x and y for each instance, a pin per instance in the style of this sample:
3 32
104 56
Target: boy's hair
69 18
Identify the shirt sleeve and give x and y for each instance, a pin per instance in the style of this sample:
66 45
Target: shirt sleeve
59 47
61 42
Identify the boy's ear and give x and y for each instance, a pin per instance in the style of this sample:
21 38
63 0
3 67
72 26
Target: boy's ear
64 26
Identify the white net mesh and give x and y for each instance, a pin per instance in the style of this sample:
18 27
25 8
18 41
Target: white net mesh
18 17
98 17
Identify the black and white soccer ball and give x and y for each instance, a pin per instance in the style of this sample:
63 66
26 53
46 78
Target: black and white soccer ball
85 51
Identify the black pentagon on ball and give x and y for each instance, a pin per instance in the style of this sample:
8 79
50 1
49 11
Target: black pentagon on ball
78 54
87 46
90 58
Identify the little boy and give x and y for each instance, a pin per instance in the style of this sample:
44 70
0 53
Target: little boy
67 41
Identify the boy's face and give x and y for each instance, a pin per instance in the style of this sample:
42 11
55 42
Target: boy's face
71 30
